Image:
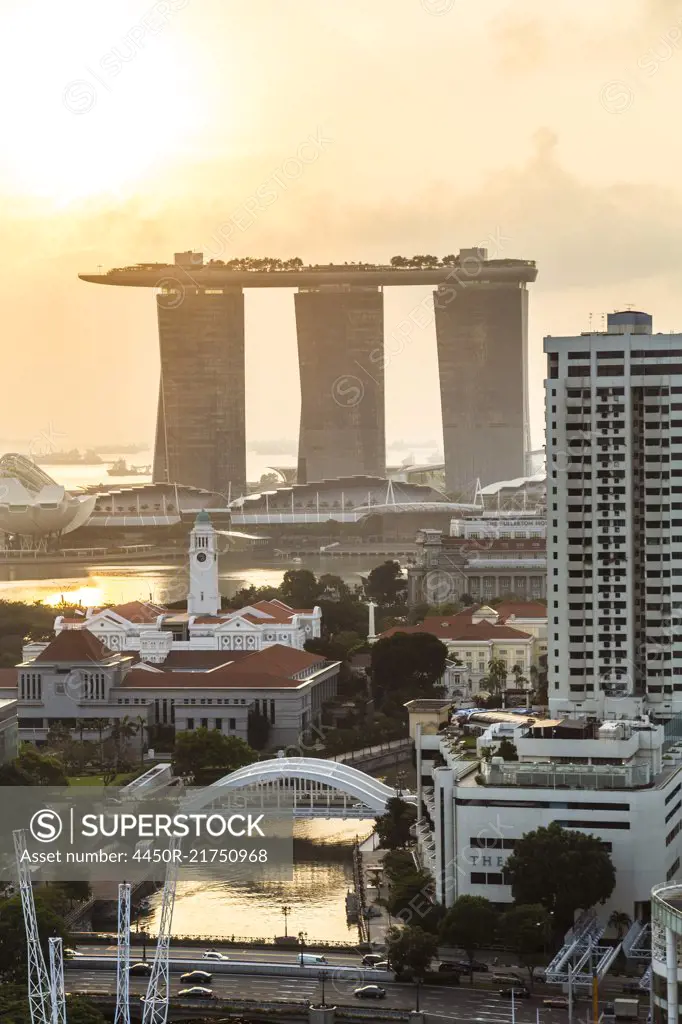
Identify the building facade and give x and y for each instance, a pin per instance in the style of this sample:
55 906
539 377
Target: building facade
341 360
480 565
482 338
611 780
200 429
614 455
9 730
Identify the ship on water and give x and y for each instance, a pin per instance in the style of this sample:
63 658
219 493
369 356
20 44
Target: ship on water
69 458
121 468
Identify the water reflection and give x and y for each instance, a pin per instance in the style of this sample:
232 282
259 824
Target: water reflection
253 910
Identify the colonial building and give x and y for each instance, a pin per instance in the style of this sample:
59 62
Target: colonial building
482 558
189 669
514 633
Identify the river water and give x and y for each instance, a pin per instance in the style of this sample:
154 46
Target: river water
253 910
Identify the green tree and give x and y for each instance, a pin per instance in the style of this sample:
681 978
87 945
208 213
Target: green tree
410 894
45 769
386 583
562 869
507 750
300 588
80 1011
495 679
393 827
258 730
469 925
620 922
407 665
208 748
13 952
333 587
410 950
122 730
12 775
526 929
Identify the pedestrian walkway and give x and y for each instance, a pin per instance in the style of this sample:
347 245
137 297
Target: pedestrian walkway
378 919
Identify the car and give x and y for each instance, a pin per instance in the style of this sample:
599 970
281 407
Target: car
370 992
140 968
557 1002
479 965
518 993
449 967
197 977
370 959
212 954
196 992
69 953
382 965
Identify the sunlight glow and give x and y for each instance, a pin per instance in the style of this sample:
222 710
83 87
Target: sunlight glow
101 105
88 597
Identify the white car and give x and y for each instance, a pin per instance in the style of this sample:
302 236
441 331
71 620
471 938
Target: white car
212 954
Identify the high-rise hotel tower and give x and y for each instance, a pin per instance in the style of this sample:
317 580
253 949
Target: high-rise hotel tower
614 534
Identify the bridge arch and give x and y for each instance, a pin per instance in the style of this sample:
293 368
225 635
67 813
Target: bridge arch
350 781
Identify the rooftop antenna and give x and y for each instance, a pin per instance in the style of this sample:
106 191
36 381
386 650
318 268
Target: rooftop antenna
589 322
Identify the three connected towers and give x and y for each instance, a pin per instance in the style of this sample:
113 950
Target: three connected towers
480 309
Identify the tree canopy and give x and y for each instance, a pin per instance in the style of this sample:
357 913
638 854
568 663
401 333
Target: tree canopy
526 929
407 665
209 748
410 950
562 869
393 827
50 903
14 1007
386 583
469 925
300 588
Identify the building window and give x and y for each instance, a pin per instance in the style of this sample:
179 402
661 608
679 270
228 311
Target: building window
204 723
232 724
190 723
219 724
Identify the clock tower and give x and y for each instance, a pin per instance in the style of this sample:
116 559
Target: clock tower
204 593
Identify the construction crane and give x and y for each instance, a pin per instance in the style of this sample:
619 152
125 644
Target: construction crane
57 996
39 987
156 999
122 1015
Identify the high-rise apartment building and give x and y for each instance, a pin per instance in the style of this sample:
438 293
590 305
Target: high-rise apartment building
614 519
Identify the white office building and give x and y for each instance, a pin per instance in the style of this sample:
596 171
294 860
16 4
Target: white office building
614 520
613 781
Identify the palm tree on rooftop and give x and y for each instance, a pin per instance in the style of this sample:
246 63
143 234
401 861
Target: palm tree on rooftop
620 921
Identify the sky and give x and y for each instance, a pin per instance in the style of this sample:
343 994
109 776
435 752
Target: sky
134 130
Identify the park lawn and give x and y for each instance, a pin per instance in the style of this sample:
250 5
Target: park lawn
122 779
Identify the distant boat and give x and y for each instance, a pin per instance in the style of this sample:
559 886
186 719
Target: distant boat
70 458
121 468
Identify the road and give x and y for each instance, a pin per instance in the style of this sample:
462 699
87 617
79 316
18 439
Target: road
246 954
458 1004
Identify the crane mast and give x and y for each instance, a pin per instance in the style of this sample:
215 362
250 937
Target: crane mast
122 1015
156 1000
39 986
57 996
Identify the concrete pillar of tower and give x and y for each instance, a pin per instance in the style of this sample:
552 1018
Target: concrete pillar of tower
341 361
671 974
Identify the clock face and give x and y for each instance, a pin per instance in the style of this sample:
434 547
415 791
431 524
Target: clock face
201 557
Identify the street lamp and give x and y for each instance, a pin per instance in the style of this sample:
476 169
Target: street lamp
286 911
322 977
418 980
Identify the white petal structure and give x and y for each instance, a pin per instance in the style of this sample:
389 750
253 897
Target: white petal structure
32 504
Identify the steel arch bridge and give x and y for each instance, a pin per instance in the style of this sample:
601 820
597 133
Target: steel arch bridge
317 788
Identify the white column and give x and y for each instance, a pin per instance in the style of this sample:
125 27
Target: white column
372 627
418 745
671 972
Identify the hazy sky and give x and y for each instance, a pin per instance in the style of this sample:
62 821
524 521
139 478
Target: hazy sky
131 130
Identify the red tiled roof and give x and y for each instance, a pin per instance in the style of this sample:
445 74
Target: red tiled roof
204 660
220 679
8 678
75 645
458 631
281 660
522 609
137 611
200 620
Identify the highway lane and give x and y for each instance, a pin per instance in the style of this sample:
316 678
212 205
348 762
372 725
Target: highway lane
246 954
459 1003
